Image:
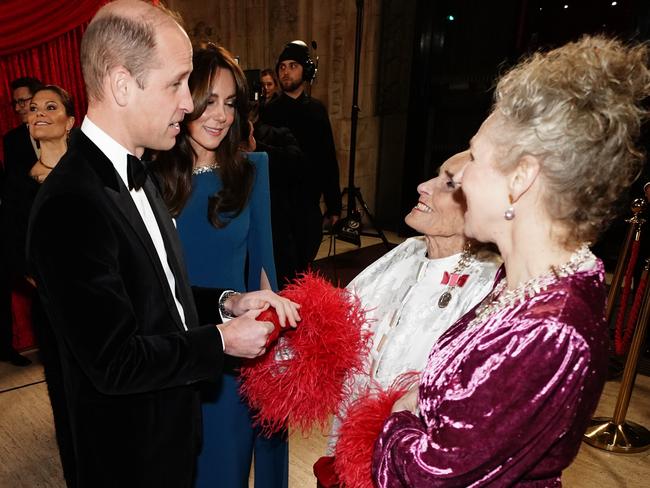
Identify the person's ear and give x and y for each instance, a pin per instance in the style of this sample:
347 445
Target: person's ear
523 176
69 123
121 82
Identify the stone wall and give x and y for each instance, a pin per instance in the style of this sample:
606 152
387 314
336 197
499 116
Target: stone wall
257 30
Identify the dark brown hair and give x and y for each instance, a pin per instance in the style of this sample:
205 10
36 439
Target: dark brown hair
65 97
32 84
174 167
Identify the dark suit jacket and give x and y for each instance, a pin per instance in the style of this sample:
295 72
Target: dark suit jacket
308 121
129 367
18 159
18 149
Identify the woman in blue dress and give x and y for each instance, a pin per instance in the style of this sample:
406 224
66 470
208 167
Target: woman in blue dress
220 198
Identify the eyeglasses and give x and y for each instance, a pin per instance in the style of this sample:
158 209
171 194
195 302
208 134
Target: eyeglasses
20 101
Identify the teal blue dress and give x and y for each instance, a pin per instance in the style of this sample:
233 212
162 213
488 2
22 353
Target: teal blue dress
217 258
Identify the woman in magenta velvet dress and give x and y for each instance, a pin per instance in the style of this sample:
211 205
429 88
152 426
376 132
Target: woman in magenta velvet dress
509 389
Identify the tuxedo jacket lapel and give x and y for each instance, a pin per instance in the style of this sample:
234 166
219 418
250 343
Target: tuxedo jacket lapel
119 194
174 251
127 208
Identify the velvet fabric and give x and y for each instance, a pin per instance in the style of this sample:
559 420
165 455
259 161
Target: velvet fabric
27 24
16 197
504 402
18 151
129 366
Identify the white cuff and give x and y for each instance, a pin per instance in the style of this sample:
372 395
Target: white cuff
223 343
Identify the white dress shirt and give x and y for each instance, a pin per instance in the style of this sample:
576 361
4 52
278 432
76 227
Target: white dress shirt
117 154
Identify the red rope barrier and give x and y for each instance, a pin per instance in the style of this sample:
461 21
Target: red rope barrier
623 344
627 286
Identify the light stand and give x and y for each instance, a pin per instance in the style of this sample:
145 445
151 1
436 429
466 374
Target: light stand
348 229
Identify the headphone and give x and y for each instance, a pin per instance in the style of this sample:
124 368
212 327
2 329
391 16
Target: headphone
309 68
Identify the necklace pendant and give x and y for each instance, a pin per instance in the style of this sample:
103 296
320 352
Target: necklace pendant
444 299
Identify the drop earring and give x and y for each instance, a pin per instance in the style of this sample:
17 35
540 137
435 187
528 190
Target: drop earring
509 214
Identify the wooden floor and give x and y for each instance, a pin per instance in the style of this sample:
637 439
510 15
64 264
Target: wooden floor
28 456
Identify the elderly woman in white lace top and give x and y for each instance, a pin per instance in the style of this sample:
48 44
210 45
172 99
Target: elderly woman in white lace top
420 288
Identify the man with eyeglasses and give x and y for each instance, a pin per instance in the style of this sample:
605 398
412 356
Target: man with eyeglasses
19 147
20 154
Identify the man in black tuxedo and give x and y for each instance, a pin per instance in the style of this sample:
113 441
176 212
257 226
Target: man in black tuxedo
20 154
109 269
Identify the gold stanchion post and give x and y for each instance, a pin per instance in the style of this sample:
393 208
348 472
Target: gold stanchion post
616 434
633 233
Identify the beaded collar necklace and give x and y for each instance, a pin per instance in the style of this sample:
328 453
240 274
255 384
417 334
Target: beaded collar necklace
201 168
500 298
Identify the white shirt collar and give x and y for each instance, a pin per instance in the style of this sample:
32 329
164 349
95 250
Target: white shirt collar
112 149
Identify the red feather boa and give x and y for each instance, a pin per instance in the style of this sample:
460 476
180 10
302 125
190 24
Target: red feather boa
360 430
299 382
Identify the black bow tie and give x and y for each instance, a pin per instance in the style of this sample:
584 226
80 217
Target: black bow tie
136 172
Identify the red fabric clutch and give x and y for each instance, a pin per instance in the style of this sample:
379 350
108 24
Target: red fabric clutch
325 474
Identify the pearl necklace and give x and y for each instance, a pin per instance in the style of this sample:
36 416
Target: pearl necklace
500 298
204 168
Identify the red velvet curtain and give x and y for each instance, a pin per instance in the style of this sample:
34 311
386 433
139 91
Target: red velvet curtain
29 23
41 38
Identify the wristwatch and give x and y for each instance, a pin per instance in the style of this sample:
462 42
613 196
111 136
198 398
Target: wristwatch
225 314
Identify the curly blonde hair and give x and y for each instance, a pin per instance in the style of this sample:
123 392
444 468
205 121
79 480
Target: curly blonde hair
578 110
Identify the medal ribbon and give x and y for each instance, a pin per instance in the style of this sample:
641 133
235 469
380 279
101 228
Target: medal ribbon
454 279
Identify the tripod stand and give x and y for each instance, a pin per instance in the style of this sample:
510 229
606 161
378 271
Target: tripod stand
348 229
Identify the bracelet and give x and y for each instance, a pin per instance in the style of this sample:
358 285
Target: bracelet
222 304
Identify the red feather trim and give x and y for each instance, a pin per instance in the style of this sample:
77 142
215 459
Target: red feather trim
299 382
364 420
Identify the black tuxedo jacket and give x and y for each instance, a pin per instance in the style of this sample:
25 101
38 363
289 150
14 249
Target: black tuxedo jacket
18 149
129 366
18 158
